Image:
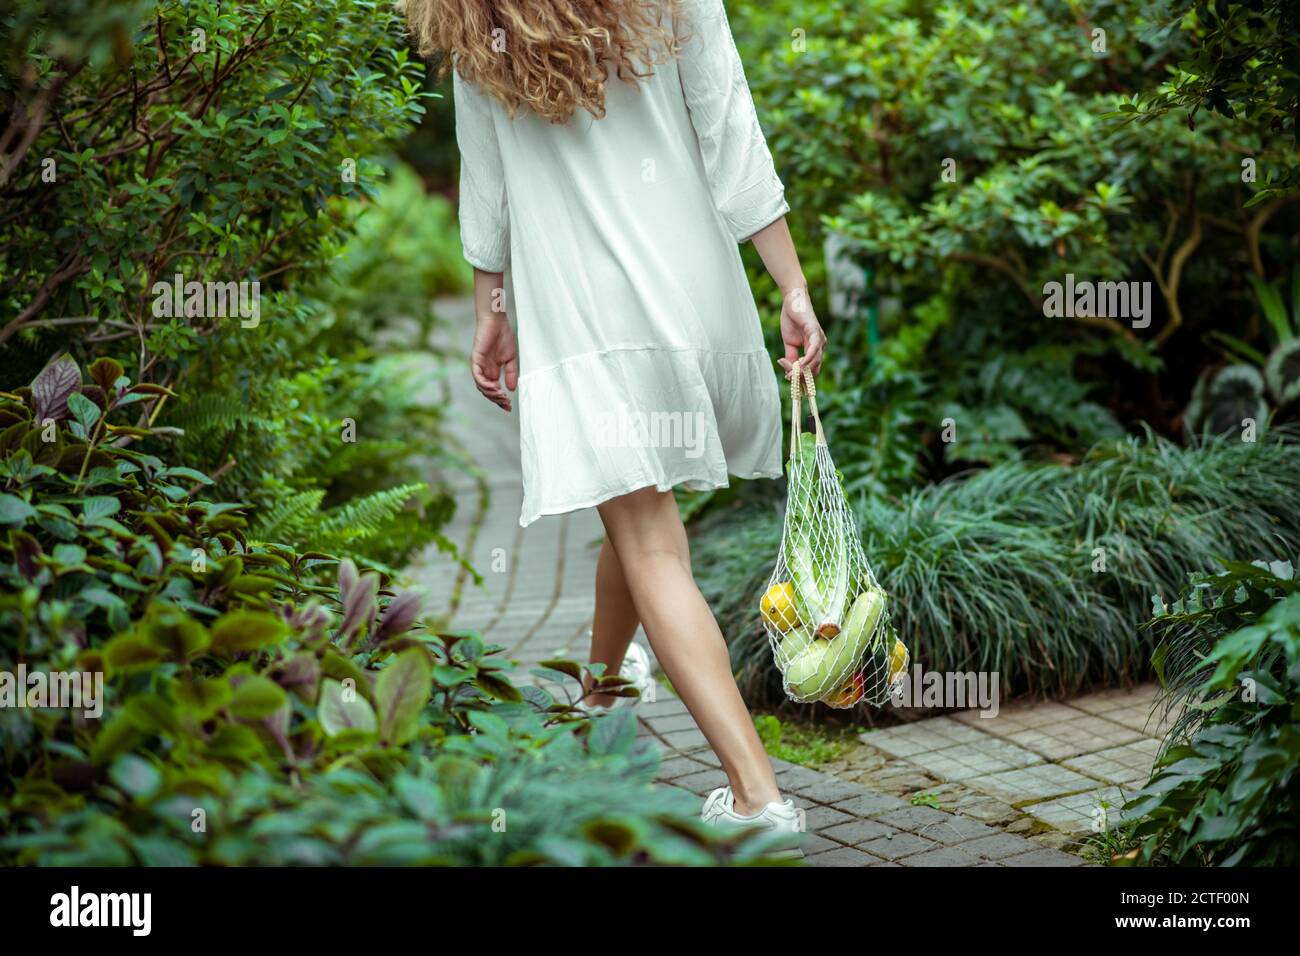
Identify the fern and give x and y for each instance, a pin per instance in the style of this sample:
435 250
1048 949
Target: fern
285 519
364 518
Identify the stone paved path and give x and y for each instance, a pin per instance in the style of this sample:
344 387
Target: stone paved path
1049 769
536 599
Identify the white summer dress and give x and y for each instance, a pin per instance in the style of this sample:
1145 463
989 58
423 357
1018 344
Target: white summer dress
641 356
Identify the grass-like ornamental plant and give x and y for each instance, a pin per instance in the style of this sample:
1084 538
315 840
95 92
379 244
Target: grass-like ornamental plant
1042 572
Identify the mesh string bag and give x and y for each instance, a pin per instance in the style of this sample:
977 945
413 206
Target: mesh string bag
826 617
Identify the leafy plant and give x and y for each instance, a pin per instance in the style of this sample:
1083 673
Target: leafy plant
1241 67
963 156
262 705
211 145
1223 791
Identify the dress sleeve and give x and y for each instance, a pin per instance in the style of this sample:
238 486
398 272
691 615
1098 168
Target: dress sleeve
742 178
484 214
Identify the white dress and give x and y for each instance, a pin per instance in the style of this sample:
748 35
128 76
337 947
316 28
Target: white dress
641 357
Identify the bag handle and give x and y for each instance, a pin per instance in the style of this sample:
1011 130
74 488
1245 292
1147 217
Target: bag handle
802 381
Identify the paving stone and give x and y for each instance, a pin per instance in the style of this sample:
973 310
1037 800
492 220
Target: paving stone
668 724
964 762
998 846
857 832
706 756
1117 698
686 740
704 781
897 846
943 856
666 705
870 804
1058 840
1039 782
960 800
814 843
830 790
1056 731
1134 707
1127 765
1042 857
794 778
898 778
935 733
913 818
956 829
844 856
821 818
675 766
1077 812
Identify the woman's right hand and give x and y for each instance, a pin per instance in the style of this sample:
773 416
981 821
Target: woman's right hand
494 351
801 330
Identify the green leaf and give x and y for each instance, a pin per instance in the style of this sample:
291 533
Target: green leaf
247 630
497 687
135 776
401 691
126 654
203 697
235 742
343 708
83 410
14 510
257 697
420 796
614 732
172 631
98 507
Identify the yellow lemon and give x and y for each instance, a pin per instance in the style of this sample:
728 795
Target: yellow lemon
778 607
897 661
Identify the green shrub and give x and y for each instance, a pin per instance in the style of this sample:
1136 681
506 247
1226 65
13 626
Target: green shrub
225 144
263 705
1224 790
1242 67
968 154
1001 571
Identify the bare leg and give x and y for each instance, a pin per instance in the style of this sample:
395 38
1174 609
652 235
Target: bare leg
647 534
615 621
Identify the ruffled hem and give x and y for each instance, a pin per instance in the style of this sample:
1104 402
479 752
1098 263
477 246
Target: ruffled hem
689 485
604 424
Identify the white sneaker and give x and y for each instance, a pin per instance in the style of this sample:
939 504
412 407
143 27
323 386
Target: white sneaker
636 669
720 811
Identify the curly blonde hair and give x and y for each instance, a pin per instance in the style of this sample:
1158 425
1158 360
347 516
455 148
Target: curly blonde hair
549 57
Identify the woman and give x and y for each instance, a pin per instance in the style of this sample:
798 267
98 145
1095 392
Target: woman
611 160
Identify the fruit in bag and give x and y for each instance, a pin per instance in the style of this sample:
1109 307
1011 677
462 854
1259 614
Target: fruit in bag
840 645
850 693
803 677
794 643
778 607
820 670
897 661
815 550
